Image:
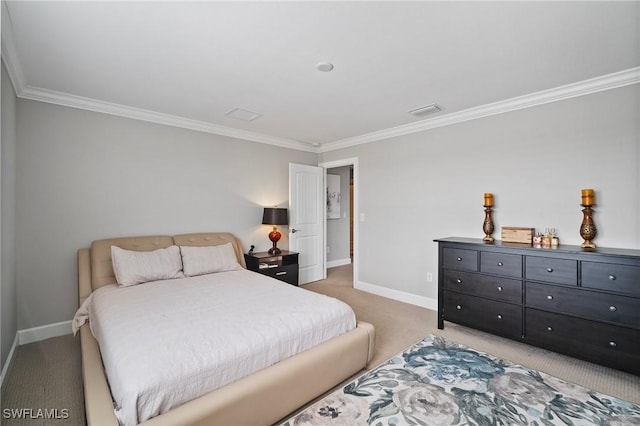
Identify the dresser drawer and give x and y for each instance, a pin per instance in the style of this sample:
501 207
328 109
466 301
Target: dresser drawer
614 346
500 318
509 265
504 289
561 271
460 259
585 304
611 277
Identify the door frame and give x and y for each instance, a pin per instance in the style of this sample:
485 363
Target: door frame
353 161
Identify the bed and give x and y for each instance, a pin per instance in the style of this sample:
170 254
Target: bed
262 397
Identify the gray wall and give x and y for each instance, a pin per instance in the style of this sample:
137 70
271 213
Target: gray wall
428 185
82 176
338 229
8 288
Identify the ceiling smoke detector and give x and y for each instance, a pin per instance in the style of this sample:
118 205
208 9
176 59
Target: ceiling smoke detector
324 66
426 110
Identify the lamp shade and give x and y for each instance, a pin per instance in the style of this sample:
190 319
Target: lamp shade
274 216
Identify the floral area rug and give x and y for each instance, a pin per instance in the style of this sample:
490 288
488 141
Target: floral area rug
436 382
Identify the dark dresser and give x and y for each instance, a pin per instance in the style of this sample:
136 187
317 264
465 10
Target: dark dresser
579 302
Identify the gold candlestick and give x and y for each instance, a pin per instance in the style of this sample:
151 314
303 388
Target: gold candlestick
487 226
588 229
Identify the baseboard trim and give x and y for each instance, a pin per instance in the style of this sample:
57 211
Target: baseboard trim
338 262
7 365
37 334
401 296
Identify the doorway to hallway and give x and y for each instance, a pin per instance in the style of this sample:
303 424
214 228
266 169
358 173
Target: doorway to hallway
341 226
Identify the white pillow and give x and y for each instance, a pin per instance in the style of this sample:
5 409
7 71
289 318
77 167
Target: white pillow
209 259
136 267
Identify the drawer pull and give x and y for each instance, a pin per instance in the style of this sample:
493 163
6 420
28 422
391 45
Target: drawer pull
459 259
281 273
549 328
500 264
499 316
459 281
549 297
612 277
499 288
458 307
613 344
613 308
549 269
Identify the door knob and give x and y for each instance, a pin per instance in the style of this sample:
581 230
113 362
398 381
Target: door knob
294 230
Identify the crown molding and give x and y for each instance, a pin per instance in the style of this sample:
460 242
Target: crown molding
594 85
14 69
16 75
9 54
58 98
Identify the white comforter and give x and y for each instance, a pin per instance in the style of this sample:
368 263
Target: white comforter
164 343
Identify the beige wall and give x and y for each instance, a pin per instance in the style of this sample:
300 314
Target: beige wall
428 185
82 176
8 287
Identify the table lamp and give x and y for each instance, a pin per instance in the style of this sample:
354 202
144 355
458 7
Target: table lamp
274 216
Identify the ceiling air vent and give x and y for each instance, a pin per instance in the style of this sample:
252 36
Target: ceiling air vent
426 110
243 114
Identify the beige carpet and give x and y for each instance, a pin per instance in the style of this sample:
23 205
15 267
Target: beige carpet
46 375
399 325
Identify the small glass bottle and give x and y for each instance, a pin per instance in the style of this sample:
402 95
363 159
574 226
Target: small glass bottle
537 240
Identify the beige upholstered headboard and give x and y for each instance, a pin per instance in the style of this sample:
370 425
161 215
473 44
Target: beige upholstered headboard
98 261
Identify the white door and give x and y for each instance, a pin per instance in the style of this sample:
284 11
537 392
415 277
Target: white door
306 219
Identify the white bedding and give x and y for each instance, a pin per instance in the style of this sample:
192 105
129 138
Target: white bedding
164 343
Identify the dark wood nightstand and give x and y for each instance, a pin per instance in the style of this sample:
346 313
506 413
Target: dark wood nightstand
283 266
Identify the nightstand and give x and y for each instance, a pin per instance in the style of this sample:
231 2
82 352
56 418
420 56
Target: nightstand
283 266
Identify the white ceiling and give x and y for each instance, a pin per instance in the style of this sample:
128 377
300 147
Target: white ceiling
190 63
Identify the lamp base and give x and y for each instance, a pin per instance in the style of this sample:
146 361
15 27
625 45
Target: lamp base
274 236
274 250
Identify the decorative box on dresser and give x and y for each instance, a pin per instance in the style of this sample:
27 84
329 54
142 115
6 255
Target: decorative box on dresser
581 302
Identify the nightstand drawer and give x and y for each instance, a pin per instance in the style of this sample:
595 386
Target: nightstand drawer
288 273
618 347
612 277
503 289
509 265
500 318
561 271
592 305
460 259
